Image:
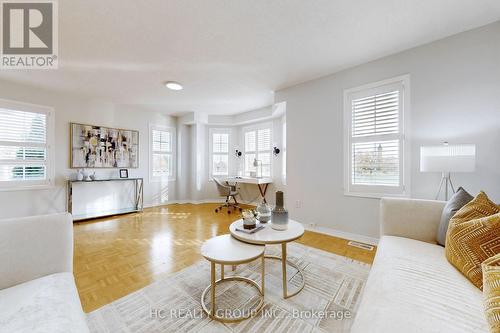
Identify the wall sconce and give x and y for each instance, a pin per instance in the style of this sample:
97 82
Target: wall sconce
238 153
276 151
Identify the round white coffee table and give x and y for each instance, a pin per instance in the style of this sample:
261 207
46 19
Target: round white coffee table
270 236
226 250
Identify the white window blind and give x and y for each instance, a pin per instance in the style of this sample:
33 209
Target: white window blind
162 153
377 114
220 152
258 147
24 148
375 139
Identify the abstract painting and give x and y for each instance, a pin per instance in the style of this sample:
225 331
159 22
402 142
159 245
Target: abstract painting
103 147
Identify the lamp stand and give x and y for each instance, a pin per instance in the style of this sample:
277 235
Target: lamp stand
446 181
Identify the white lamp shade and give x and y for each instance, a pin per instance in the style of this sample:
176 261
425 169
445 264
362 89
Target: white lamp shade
448 158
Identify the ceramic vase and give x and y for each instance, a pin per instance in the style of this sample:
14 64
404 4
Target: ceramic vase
279 215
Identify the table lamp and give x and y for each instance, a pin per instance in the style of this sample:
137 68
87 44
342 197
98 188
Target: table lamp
256 163
447 159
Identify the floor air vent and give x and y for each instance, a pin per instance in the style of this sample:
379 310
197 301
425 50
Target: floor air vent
361 245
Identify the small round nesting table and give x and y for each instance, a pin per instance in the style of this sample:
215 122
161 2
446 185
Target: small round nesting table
268 235
226 250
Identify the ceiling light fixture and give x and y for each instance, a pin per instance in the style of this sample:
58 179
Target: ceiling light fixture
172 85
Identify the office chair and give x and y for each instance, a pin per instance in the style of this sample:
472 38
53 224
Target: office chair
229 192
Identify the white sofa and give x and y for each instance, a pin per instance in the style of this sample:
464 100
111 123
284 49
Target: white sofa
37 288
412 287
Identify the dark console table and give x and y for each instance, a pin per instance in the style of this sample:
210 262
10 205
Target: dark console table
138 198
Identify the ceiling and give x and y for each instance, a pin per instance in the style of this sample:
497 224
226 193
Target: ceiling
231 55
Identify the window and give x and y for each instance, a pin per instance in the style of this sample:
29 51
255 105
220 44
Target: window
25 149
375 141
162 155
219 152
258 147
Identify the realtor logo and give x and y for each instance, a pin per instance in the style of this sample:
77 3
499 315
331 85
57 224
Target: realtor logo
29 34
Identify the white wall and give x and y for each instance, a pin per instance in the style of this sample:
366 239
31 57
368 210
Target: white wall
184 155
71 108
455 97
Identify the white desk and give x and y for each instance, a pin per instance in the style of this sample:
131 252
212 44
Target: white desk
261 182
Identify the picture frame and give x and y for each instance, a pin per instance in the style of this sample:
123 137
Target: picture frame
123 173
101 147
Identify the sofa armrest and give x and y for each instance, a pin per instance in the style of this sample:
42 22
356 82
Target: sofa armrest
32 247
410 218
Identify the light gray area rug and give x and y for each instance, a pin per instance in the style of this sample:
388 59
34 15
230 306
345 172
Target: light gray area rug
327 303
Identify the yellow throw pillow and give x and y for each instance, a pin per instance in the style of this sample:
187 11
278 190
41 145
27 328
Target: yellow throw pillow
491 292
480 206
473 236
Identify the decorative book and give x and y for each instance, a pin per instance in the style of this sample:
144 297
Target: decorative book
251 231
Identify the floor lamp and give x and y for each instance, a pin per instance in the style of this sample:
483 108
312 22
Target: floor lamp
447 159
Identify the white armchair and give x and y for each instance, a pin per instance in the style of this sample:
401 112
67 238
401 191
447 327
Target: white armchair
35 246
37 288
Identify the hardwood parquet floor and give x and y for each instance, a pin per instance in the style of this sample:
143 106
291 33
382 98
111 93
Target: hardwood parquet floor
118 255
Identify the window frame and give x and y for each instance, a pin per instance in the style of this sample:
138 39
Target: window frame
173 153
211 132
255 128
49 182
378 191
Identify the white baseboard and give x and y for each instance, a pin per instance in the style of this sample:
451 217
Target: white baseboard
196 202
342 234
318 229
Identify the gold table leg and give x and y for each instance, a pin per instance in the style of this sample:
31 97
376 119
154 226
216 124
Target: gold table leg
222 272
263 274
284 263
283 268
212 283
